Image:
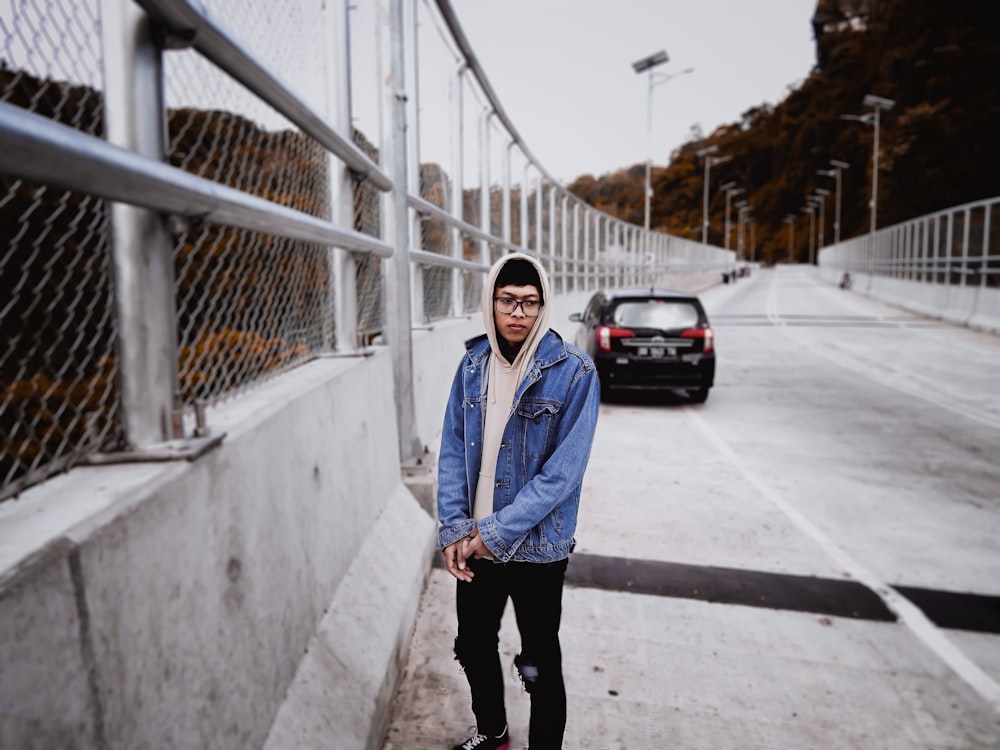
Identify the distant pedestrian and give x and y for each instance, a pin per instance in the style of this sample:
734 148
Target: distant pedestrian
517 435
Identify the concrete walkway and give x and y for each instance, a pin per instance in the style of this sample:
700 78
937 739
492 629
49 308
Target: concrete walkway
647 672
722 594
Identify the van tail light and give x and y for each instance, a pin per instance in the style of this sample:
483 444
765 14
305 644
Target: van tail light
605 334
706 334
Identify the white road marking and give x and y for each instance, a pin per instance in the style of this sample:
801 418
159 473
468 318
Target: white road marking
882 373
909 614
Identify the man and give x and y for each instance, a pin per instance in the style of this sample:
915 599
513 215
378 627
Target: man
517 435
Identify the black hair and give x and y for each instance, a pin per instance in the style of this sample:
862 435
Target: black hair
519 272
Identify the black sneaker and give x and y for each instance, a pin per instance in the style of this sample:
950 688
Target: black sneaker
484 742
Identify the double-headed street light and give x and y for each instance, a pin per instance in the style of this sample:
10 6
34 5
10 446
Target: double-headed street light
710 161
641 66
877 103
835 173
647 64
730 192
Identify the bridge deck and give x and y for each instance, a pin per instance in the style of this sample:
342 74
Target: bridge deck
809 560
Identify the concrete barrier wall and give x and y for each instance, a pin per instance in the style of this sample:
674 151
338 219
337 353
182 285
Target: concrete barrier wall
975 306
170 605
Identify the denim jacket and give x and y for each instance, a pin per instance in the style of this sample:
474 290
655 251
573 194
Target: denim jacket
544 451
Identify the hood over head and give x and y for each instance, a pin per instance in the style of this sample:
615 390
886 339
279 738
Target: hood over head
526 270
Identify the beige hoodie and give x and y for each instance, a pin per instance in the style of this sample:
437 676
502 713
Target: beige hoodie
504 378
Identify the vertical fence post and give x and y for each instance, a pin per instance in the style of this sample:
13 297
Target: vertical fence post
343 282
525 182
604 242
935 244
538 216
484 184
505 230
949 247
618 267
577 240
557 274
564 250
397 225
457 186
985 263
628 248
142 247
966 221
414 184
924 229
598 267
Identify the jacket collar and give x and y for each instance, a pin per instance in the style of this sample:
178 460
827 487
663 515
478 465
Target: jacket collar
551 349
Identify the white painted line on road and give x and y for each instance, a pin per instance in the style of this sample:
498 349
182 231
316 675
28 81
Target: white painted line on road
881 372
908 613
772 303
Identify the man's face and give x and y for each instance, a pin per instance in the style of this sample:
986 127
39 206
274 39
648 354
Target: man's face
514 327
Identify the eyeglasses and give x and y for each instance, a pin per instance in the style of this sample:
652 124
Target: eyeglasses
507 306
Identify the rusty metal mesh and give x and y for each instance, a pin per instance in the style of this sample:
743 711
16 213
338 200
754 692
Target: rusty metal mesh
58 367
249 304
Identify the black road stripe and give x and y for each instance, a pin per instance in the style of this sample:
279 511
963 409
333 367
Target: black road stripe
728 586
950 609
828 596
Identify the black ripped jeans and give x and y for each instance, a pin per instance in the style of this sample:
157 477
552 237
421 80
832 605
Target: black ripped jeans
536 591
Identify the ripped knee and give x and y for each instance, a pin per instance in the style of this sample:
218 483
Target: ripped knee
527 670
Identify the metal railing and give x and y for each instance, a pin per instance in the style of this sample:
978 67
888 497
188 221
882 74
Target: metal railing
198 196
957 246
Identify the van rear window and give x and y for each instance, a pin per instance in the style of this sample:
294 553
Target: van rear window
654 313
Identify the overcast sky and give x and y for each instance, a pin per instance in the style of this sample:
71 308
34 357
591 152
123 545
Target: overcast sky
562 70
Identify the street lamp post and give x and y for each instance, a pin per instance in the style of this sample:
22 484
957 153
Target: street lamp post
741 233
710 161
730 192
811 209
642 66
877 103
790 221
835 173
739 221
821 195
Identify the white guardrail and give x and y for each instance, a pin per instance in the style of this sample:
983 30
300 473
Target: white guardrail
945 264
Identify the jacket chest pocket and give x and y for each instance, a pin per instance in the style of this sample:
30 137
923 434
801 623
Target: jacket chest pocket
538 422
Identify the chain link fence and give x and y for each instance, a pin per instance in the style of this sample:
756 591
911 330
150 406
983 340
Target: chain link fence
252 303
58 368
368 269
249 304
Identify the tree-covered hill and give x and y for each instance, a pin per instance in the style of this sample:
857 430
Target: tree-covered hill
939 144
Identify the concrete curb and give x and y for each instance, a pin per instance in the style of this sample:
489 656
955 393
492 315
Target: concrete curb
346 680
